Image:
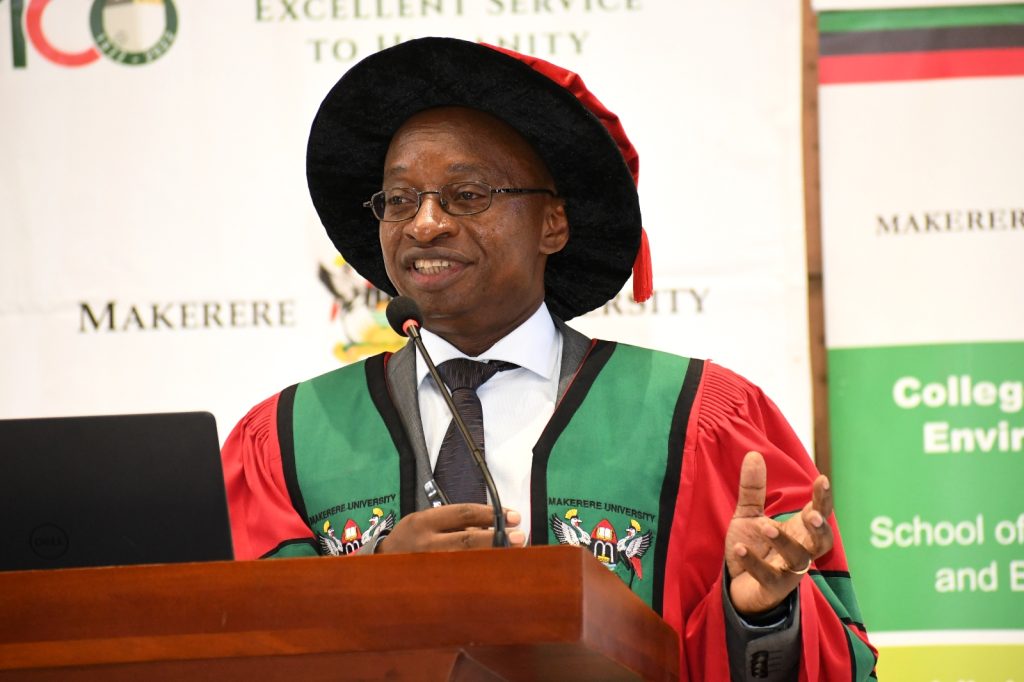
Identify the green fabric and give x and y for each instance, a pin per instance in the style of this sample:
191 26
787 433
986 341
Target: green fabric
838 590
595 473
863 658
348 469
925 17
345 460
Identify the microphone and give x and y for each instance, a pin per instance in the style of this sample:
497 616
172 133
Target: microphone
404 314
405 318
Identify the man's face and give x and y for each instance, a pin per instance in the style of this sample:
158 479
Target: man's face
475 277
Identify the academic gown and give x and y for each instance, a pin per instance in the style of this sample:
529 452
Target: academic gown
727 417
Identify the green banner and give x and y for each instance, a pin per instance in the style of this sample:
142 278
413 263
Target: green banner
928 460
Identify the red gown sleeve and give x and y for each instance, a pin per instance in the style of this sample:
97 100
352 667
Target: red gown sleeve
261 512
729 418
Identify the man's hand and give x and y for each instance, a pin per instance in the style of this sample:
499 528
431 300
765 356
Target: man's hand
765 558
450 528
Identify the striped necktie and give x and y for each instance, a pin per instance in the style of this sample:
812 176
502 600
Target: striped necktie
456 472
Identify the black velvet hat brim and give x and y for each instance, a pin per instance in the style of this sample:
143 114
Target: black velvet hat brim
356 121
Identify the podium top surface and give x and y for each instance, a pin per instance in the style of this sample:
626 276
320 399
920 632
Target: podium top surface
506 608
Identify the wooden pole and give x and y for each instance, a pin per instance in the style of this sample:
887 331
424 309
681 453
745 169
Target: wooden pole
812 224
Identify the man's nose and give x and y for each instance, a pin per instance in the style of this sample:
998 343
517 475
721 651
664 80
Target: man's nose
431 221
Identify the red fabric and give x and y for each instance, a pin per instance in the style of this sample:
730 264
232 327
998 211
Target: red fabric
643 274
262 515
574 84
729 418
912 66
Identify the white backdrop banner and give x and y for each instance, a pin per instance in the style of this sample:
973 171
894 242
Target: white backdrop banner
160 251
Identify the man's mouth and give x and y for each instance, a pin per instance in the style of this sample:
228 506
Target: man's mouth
431 266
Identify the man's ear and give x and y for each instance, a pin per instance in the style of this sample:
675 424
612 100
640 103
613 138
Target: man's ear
555 233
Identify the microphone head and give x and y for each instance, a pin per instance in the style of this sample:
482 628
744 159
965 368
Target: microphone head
403 311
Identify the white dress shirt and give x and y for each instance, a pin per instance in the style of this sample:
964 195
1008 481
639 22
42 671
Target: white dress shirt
517 403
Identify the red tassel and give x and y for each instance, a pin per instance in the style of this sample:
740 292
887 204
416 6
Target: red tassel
643 274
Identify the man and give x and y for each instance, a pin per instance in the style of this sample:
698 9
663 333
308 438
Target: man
500 195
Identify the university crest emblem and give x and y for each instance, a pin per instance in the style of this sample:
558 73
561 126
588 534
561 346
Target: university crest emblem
359 309
603 542
352 536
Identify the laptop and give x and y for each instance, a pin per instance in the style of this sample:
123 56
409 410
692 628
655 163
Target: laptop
111 490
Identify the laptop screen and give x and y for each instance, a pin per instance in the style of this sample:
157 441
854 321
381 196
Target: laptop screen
111 490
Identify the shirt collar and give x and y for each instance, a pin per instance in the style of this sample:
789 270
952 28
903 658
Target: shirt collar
533 345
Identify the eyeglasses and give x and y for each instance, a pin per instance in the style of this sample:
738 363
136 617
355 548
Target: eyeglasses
456 198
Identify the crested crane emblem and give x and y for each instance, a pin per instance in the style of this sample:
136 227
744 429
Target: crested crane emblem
379 525
633 547
331 544
569 531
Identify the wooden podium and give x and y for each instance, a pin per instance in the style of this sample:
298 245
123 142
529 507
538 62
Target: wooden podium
541 613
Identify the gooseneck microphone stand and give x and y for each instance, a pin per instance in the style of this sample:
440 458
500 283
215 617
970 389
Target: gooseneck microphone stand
405 318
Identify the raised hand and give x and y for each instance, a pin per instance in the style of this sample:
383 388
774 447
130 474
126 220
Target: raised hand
767 559
450 528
